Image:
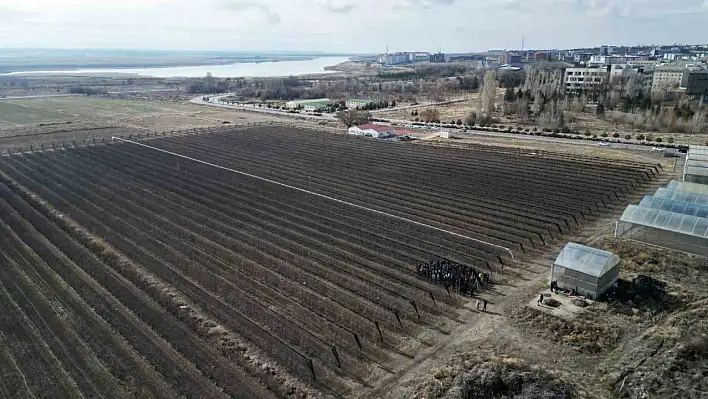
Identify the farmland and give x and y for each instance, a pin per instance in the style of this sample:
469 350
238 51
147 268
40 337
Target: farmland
54 120
129 271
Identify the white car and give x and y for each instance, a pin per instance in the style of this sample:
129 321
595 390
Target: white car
604 144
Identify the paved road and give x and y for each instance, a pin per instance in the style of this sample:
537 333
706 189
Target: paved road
553 140
421 105
213 101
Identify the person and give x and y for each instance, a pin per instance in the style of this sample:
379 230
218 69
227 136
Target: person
540 300
477 304
485 306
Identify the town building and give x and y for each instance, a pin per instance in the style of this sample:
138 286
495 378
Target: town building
583 79
695 81
357 103
597 61
438 58
309 105
667 77
627 71
373 130
512 59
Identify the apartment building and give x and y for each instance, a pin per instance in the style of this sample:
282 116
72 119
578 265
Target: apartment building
626 71
695 81
584 79
667 77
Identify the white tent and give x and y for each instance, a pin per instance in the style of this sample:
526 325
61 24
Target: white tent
588 271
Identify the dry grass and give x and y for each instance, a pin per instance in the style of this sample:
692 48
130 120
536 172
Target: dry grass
470 377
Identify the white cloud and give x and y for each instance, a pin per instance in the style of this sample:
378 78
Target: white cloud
348 25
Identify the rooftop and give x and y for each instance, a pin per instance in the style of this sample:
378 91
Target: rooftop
378 128
666 220
587 260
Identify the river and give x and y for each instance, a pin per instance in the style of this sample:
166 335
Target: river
261 69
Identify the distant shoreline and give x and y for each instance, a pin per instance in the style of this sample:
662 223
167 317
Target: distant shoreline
250 67
38 68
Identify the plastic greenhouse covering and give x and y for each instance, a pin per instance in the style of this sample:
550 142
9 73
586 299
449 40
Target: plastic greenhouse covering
697 162
685 208
665 220
697 171
697 150
698 157
689 187
591 261
698 199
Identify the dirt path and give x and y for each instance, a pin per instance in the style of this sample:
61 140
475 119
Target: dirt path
491 333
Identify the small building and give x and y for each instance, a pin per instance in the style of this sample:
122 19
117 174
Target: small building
357 102
373 130
309 105
584 79
589 271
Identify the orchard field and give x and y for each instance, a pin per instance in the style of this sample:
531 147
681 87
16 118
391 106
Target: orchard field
127 271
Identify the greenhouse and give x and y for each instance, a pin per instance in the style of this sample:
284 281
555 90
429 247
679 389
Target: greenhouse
685 208
588 271
686 186
696 168
684 196
682 232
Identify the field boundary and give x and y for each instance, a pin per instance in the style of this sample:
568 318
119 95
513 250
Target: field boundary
507 250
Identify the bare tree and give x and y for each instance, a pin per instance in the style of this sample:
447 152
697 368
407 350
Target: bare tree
552 118
488 94
697 122
353 117
471 118
430 115
633 87
522 109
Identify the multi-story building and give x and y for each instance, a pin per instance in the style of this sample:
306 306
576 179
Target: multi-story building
695 80
627 71
584 79
667 77
512 59
437 57
606 60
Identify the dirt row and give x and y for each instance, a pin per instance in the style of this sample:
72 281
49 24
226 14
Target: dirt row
192 280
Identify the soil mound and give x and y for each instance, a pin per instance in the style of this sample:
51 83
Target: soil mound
495 379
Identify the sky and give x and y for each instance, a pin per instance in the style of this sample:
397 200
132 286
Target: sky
348 26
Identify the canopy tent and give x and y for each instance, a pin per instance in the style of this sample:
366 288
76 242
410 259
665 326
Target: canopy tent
589 271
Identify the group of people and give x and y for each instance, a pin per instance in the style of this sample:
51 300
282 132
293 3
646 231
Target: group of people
460 278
